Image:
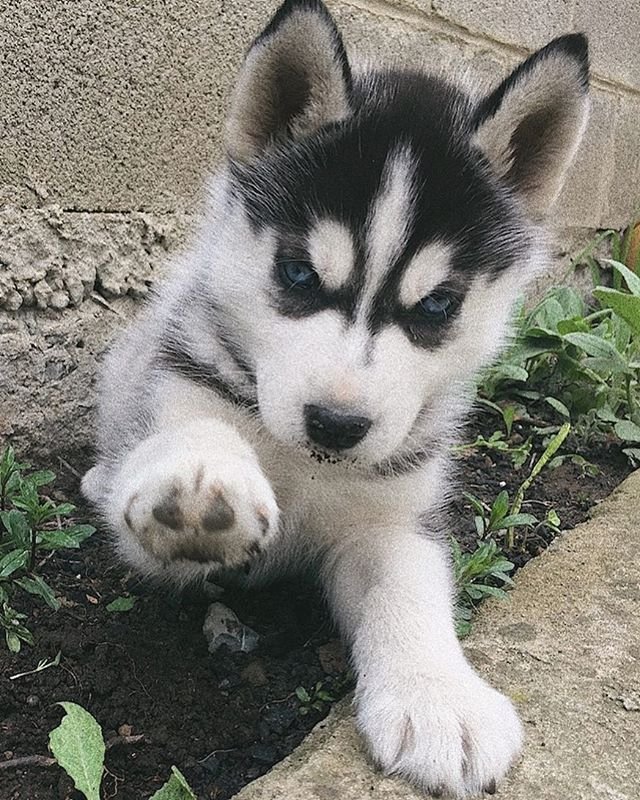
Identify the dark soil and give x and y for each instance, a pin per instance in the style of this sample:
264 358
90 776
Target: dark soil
223 718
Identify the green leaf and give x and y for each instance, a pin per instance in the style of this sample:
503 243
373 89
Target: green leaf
37 586
121 604
498 509
78 746
558 406
625 305
594 346
176 788
303 695
41 477
626 430
13 561
631 279
13 641
67 537
515 520
16 524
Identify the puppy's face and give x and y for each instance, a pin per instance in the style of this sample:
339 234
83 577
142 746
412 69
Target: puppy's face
375 235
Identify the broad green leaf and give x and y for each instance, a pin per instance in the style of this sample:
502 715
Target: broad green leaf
594 346
498 509
41 477
121 604
176 788
626 430
78 746
631 279
303 695
67 537
13 641
625 305
13 561
16 524
80 532
514 520
559 406
36 585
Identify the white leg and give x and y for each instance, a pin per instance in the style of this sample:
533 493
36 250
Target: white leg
424 711
190 499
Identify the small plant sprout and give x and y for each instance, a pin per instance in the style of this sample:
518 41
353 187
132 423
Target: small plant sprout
315 699
43 664
31 527
479 574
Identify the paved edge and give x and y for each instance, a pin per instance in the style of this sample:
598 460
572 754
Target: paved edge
565 647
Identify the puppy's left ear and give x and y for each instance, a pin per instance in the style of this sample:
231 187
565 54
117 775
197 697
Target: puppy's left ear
531 125
295 78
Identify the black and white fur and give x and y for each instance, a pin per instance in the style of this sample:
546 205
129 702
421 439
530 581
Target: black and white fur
289 398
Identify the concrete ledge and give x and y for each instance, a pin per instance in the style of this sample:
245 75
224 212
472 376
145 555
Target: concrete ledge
566 648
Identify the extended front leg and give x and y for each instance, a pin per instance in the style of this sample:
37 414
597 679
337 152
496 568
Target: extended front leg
187 500
424 711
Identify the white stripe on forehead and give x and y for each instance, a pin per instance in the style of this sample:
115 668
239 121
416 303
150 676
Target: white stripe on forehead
391 215
426 270
330 246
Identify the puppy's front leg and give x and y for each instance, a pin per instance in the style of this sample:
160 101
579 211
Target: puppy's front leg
190 496
424 711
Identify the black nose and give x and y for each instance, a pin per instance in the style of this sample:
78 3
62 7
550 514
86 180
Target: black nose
334 429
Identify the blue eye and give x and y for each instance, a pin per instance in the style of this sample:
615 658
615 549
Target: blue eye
436 306
298 275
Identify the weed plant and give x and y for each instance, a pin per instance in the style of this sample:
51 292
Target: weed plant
32 526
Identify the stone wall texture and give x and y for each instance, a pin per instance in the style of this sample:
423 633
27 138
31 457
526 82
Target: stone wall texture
110 119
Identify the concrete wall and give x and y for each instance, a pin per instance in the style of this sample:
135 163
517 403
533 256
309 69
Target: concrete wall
110 118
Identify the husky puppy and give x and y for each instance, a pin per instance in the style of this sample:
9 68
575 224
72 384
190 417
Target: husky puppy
288 399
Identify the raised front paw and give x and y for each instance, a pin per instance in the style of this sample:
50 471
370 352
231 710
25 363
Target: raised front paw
200 510
452 736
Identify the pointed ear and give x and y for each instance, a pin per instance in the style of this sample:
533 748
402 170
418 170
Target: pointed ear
531 125
295 79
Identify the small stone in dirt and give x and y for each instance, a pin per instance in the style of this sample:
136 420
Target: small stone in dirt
125 730
222 627
254 674
332 658
33 700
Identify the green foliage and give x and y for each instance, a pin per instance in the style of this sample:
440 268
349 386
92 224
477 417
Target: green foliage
79 748
324 693
315 699
518 453
121 604
31 525
581 361
479 574
176 788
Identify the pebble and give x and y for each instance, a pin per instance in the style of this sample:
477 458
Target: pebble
33 700
222 627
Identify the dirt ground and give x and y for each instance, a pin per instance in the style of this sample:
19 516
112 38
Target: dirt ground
223 718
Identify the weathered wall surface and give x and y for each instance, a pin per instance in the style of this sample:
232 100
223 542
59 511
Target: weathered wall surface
110 119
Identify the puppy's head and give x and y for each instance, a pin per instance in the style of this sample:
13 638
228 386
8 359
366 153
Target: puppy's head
377 228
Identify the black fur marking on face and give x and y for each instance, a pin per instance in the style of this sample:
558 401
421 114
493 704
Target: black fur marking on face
337 173
176 359
297 302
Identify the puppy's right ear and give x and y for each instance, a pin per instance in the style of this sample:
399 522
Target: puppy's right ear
295 79
531 125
